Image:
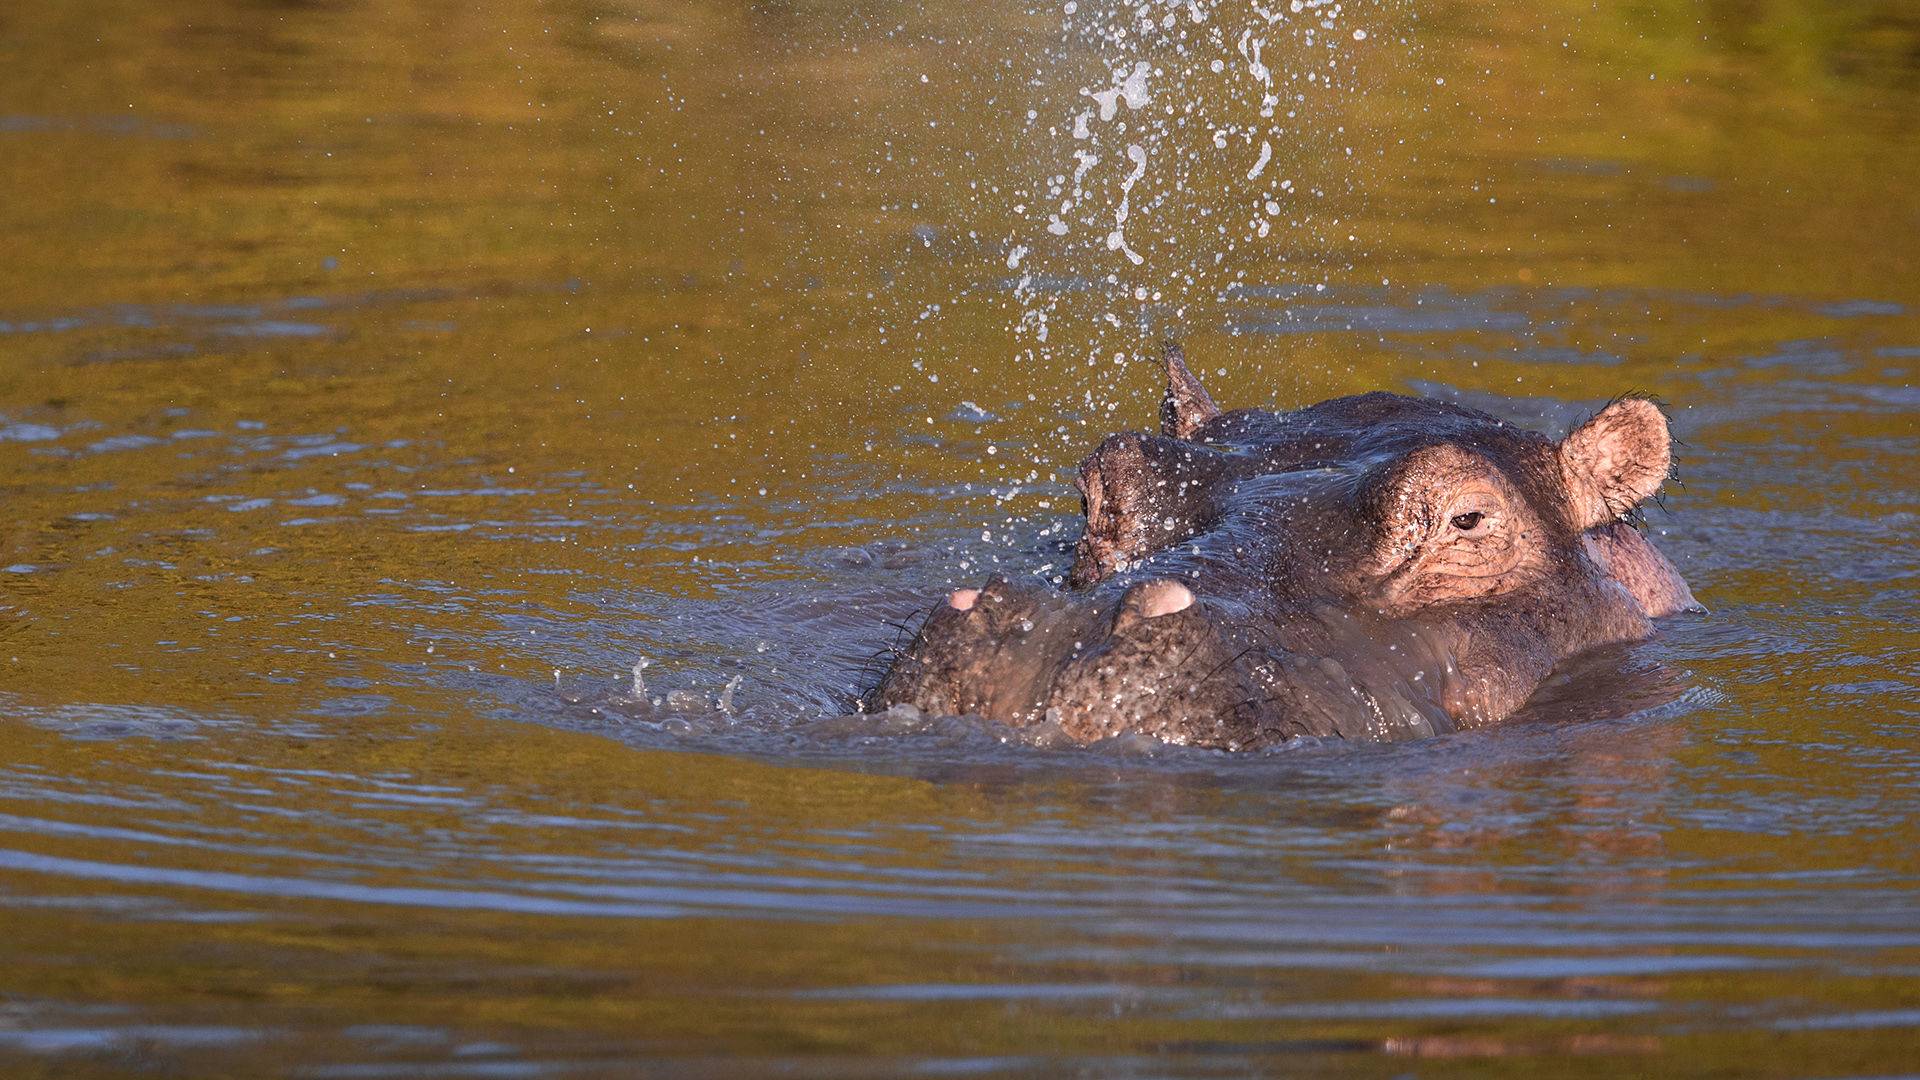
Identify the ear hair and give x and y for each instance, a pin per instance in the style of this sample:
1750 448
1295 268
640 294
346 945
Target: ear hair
1186 406
1615 460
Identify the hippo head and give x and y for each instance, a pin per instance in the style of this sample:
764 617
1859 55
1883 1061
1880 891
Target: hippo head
1375 566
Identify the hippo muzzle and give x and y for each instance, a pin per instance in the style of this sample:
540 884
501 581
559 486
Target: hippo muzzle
1151 658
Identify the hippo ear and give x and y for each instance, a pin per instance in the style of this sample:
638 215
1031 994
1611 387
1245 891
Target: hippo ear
1616 459
1186 405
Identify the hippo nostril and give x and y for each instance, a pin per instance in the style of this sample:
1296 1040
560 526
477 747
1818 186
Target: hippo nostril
1165 598
962 599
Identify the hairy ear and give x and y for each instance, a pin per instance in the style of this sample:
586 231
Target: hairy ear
1186 405
1616 459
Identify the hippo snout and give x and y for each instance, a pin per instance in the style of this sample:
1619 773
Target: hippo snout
989 651
1015 649
1158 666
1147 656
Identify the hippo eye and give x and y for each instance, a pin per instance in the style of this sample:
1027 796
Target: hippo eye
1468 521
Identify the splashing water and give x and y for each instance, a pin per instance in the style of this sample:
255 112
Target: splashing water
1217 147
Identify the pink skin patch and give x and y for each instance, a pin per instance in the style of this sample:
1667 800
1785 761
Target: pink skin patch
1165 598
962 599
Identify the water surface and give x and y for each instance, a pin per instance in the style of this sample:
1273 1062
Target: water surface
379 384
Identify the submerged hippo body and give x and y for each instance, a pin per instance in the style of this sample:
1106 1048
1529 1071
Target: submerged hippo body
1376 566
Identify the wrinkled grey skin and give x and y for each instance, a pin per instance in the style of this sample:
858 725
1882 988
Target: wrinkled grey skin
1375 567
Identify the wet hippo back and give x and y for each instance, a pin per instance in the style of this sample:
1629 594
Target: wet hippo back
1375 566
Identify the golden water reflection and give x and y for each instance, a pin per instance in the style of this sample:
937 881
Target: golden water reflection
364 366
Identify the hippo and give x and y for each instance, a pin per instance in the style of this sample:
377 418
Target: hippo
1376 567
